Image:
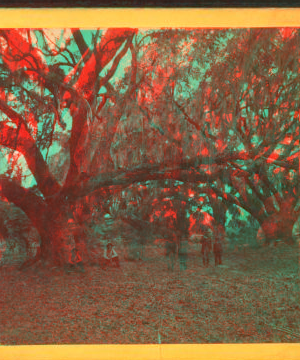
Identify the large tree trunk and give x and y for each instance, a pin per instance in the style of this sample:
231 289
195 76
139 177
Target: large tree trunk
280 225
59 234
219 211
64 233
45 253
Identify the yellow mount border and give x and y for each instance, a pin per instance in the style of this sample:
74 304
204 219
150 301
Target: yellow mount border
150 18
153 352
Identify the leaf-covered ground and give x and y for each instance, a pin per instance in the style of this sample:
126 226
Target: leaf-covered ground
253 297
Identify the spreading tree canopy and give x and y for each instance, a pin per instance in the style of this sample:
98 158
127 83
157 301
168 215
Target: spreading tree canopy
199 115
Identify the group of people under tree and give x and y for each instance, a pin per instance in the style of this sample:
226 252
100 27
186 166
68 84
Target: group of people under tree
110 257
210 241
208 246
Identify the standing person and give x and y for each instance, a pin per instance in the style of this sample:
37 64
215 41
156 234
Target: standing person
183 254
206 247
2 247
142 242
170 247
110 256
218 250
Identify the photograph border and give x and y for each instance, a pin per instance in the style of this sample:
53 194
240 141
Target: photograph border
151 18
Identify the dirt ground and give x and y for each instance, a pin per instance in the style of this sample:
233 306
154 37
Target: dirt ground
252 297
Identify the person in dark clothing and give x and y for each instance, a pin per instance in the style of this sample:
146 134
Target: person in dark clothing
218 252
183 254
170 248
217 248
206 248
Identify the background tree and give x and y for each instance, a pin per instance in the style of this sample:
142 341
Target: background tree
249 104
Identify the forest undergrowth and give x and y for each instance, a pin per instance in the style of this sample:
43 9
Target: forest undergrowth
253 297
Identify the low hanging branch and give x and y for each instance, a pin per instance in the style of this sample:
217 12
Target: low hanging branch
32 204
26 145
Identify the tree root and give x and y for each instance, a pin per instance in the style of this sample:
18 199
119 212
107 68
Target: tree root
38 263
31 262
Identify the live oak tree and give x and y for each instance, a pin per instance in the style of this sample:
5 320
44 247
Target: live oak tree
95 112
38 81
52 95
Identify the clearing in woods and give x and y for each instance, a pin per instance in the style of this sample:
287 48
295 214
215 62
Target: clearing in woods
253 297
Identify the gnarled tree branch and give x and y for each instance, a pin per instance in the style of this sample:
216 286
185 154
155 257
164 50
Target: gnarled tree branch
22 141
